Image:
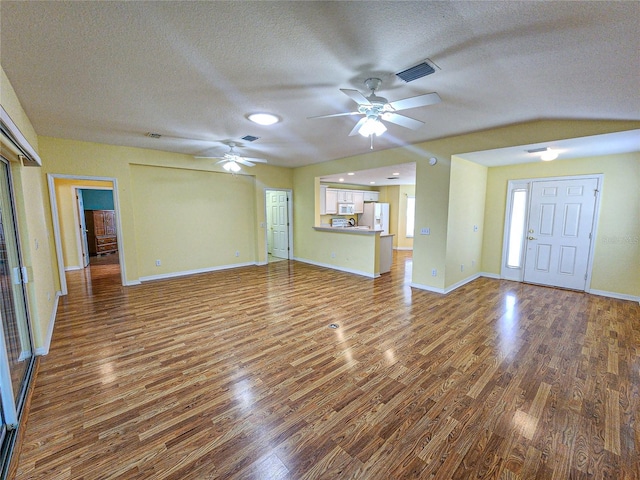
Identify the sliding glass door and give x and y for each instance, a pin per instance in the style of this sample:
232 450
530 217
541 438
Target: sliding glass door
16 346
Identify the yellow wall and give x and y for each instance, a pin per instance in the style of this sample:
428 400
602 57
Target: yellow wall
466 218
617 245
36 238
69 157
192 220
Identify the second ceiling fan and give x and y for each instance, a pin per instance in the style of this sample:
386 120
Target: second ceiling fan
231 160
375 109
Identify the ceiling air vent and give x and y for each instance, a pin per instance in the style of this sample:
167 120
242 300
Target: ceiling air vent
418 71
250 138
153 135
393 178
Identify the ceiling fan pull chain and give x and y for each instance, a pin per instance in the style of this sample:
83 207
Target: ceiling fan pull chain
371 137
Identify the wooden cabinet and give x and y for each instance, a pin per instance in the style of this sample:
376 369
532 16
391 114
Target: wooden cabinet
101 231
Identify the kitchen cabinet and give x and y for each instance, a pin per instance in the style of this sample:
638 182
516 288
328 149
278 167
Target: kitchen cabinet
371 196
345 196
358 201
331 201
101 231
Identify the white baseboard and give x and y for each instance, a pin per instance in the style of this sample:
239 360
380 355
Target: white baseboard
427 288
456 285
619 296
131 283
193 272
408 249
72 268
335 267
52 321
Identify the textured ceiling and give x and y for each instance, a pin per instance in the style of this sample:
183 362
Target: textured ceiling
110 72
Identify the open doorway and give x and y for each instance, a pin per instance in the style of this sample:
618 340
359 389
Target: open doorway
279 230
86 223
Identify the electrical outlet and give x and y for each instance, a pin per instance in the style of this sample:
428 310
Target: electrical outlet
434 273
425 231
462 268
237 253
158 263
475 228
473 263
333 255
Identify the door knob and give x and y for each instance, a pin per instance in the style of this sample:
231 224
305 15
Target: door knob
531 238
530 230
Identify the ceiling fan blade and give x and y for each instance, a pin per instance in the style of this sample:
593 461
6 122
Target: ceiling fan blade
358 126
356 96
198 156
401 120
254 160
334 115
244 161
413 102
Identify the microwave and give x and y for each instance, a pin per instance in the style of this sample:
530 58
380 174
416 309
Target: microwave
346 209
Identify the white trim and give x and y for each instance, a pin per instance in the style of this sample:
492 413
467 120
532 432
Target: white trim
335 267
52 321
495 276
72 268
131 283
56 223
193 272
22 142
408 249
619 296
427 288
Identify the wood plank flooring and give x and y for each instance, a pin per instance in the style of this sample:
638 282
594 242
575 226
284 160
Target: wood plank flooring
236 375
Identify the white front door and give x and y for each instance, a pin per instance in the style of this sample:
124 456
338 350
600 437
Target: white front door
279 209
559 232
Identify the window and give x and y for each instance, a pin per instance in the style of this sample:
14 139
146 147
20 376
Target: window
411 213
516 228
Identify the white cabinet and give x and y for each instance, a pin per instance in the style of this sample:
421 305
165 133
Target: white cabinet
358 201
331 201
371 196
345 196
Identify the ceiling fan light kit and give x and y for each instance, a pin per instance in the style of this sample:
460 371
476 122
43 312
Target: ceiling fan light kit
230 161
375 109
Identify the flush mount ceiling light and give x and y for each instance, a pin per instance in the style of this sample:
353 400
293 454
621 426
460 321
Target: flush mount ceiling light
263 118
372 126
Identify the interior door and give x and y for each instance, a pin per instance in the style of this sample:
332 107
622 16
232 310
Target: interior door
559 232
279 224
83 229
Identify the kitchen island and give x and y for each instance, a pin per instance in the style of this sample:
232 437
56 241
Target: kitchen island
355 249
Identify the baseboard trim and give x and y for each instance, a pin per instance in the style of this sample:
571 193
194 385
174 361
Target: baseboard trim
407 249
427 288
335 267
184 273
619 296
71 269
43 350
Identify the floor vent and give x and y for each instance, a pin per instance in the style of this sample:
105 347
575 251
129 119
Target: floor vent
333 325
250 138
418 71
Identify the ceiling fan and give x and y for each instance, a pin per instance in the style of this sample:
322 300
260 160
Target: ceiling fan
231 160
375 109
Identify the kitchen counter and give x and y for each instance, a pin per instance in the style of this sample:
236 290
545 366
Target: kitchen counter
359 230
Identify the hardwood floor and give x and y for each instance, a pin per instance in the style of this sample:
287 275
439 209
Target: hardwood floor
236 374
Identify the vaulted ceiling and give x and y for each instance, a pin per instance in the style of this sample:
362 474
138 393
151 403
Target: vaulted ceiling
111 72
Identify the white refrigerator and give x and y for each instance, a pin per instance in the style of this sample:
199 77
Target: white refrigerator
375 216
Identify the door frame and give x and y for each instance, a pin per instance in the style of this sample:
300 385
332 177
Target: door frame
265 225
517 275
51 177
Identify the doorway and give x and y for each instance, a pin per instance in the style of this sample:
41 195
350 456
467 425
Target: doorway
16 343
68 197
279 232
549 230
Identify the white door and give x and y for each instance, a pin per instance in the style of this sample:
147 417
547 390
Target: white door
559 231
279 208
84 247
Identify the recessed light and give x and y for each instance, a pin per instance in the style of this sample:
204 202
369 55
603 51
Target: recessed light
263 118
341 180
350 173
549 155
372 183
395 174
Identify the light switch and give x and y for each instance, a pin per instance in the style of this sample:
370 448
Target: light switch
425 231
